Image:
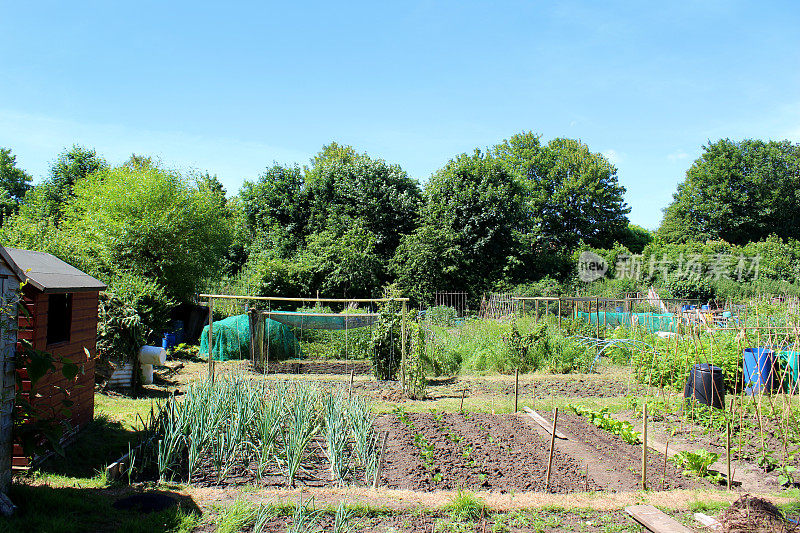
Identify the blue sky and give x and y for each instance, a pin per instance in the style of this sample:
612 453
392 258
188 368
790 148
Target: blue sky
232 87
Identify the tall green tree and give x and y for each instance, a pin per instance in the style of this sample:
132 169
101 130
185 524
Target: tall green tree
738 192
344 185
572 194
470 228
13 180
71 166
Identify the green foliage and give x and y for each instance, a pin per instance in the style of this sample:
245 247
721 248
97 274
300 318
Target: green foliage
386 347
564 181
441 315
14 183
120 331
737 192
473 210
604 420
697 463
465 506
415 382
151 222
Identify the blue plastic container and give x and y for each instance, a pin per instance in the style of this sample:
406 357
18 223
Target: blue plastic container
759 370
704 308
619 309
685 307
168 342
178 331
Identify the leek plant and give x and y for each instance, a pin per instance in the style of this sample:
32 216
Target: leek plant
304 518
365 441
268 423
302 423
337 433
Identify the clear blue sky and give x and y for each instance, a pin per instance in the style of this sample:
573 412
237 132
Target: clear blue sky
231 87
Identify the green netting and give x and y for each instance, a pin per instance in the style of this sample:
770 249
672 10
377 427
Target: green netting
232 339
651 321
330 321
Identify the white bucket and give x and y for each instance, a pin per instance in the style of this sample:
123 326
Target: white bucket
152 355
147 374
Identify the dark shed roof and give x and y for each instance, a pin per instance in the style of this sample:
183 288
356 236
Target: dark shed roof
48 273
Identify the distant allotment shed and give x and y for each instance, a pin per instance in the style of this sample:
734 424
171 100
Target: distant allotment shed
62 305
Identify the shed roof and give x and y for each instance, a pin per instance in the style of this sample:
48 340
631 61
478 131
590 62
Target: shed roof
48 273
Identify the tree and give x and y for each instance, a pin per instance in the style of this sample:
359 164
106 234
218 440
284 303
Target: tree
14 181
276 204
470 227
150 222
572 194
69 168
343 185
739 192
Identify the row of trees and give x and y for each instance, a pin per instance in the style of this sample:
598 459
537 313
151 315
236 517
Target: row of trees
348 224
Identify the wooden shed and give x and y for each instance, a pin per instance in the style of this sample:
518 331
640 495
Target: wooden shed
61 319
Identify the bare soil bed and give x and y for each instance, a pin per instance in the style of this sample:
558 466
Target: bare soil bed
622 460
319 366
473 451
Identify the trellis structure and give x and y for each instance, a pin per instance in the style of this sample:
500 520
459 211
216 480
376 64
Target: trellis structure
344 317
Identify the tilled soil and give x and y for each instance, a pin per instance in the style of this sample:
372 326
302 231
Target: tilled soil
473 451
320 367
526 522
620 460
573 388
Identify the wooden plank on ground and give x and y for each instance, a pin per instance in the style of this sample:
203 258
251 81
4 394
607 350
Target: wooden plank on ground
548 426
656 521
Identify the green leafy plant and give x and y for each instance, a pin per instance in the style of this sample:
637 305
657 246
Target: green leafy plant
698 463
603 419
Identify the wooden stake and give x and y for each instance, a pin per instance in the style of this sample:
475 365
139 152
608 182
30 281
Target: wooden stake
377 477
403 346
664 477
552 445
463 393
211 339
516 390
728 451
644 449
350 391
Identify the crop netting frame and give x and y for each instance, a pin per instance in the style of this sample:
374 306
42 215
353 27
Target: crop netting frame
257 336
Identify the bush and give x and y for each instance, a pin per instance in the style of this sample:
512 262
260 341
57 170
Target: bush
148 298
120 331
441 315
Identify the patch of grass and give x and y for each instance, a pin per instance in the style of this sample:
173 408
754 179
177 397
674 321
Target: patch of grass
97 445
235 517
465 506
122 409
45 509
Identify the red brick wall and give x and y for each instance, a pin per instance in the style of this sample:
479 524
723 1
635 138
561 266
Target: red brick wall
83 334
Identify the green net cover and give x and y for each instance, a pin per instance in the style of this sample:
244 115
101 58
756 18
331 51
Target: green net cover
651 321
232 339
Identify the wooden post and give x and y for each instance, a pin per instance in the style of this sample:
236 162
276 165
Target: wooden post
597 309
552 445
378 469
463 393
516 390
350 390
211 339
559 313
644 449
403 347
728 450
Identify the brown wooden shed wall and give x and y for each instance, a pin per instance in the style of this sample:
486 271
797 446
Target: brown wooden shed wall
83 334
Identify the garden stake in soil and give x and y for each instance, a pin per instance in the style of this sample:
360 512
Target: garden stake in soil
377 477
516 390
644 449
552 445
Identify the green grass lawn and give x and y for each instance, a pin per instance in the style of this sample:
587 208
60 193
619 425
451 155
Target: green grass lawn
70 493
